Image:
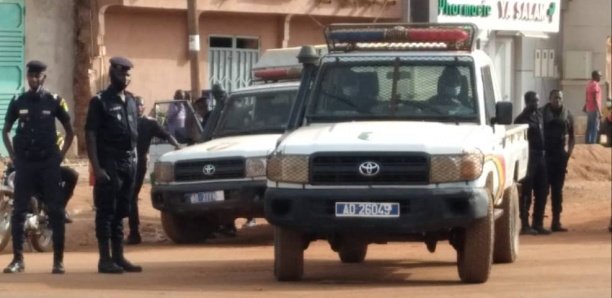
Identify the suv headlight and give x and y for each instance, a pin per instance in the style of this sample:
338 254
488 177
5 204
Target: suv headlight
288 168
255 167
453 168
164 172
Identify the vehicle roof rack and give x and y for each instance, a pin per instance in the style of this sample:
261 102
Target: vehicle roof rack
400 37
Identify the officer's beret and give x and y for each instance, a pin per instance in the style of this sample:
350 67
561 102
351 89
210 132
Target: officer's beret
121 61
36 66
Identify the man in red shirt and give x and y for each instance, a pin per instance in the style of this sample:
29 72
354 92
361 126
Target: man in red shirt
592 107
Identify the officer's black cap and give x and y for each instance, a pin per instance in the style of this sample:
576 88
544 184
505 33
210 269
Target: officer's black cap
36 66
121 61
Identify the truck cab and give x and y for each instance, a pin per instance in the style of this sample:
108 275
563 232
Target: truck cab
400 135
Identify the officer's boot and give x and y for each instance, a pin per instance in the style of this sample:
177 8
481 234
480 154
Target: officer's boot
119 259
556 224
16 265
58 262
106 264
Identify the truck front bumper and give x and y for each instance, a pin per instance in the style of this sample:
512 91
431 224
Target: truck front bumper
242 198
421 210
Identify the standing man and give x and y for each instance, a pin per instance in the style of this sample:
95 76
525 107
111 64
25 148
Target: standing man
535 180
147 129
111 132
559 142
592 107
37 160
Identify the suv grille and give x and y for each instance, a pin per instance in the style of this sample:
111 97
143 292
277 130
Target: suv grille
369 168
193 170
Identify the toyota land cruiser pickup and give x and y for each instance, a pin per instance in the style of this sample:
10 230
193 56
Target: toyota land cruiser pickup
206 185
401 136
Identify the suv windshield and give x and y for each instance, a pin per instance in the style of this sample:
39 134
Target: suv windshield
262 112
394 89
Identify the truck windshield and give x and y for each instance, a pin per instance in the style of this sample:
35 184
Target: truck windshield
256 113
394 90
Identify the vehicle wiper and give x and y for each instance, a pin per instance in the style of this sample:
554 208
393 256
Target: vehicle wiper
250 131
347 102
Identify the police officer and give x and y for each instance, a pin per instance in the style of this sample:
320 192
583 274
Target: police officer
111 133
37 161
535 180
147 129
559 143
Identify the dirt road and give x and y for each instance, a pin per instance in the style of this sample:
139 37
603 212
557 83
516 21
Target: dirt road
573 264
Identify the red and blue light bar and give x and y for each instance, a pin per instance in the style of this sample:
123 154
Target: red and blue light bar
355 37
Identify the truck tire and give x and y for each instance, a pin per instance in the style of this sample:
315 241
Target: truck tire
353 252
185 230
507 229
475 254
288 254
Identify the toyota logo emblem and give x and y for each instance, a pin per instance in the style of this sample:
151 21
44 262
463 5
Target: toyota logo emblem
208 169
369 169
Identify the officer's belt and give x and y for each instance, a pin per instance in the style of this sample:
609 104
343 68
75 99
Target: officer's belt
118 153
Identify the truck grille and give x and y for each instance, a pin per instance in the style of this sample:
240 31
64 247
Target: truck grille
369 168
194 170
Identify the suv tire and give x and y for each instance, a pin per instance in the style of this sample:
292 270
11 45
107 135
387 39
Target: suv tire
475 253
353 252
288 254
185 230
507 229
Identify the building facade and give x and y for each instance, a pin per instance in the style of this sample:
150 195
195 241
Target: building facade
521 37
232 35
586 47
36 29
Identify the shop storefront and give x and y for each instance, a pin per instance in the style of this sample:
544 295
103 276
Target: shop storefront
520 36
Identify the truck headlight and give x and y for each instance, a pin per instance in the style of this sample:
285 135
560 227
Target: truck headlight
288 168
255 167
164 172
453 168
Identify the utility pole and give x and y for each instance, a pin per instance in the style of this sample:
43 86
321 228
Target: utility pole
194 47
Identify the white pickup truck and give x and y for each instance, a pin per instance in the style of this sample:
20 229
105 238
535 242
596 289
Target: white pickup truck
402 137
206 185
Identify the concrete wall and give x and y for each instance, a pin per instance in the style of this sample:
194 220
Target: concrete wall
50 38
155 41
585 25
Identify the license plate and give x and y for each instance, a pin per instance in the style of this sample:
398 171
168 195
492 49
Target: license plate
206 197
367 209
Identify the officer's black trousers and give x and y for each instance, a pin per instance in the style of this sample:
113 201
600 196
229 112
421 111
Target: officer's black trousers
68 183
42 177
557 167
535 183
141 170
112 198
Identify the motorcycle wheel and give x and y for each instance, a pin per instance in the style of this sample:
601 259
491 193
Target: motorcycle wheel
5 221
41 239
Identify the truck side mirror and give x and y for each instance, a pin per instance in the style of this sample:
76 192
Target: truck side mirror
503 113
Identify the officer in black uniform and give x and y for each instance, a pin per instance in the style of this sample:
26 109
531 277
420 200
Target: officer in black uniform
37 160
535 180
147 129
111 133
559 143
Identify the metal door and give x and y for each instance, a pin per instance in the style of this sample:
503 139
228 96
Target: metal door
231 65
12 28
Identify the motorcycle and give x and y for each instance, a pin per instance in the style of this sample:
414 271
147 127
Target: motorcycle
37 229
